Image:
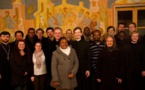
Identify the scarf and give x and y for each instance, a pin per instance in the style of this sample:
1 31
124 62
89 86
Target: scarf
66 50
38 56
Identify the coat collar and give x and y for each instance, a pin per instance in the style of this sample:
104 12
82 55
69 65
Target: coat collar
63 54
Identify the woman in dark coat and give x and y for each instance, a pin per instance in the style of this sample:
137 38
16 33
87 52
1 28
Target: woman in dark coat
110 71
20 65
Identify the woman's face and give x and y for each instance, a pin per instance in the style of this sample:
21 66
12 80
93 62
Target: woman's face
63 44
21 46
38 47
109 42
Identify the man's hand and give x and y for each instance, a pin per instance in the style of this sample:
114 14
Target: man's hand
143 73
87 73
119 80
32 79
56 84
99 80
25 73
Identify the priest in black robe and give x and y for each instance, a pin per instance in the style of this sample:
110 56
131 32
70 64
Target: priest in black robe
82 49
4 61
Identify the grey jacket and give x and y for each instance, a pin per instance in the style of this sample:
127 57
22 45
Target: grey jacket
63 65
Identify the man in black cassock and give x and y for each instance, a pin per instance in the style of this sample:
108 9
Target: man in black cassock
4 61
82 49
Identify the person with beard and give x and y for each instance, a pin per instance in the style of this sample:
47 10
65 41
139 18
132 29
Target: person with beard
83 52
121 27
51 46
111 66
96 47
5 71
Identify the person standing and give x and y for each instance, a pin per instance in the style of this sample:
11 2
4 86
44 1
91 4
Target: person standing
86 34
57 34
111 66
39 67
51 46
133 27
31 39
4 61
83 52
20 62
69 36
18 36
120 28
111 31
136 70
64 66
95 47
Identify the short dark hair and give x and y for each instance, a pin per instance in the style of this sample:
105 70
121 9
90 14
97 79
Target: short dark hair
132 23
61 39
31 29
68 30
110 28
96 31
4 33
77 28
40 29
86 28
121 24
49 28
19 31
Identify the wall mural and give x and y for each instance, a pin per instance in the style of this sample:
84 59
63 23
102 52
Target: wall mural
65 15
45 13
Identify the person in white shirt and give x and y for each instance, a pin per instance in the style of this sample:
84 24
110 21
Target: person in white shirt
40 71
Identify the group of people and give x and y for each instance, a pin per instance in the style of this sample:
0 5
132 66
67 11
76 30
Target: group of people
80 60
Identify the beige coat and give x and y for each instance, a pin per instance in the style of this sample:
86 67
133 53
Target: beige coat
63 65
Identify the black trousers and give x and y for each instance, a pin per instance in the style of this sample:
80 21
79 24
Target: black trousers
40 82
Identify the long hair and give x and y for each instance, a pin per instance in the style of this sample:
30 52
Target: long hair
15 54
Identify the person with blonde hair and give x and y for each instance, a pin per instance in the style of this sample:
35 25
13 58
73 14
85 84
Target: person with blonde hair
111 66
